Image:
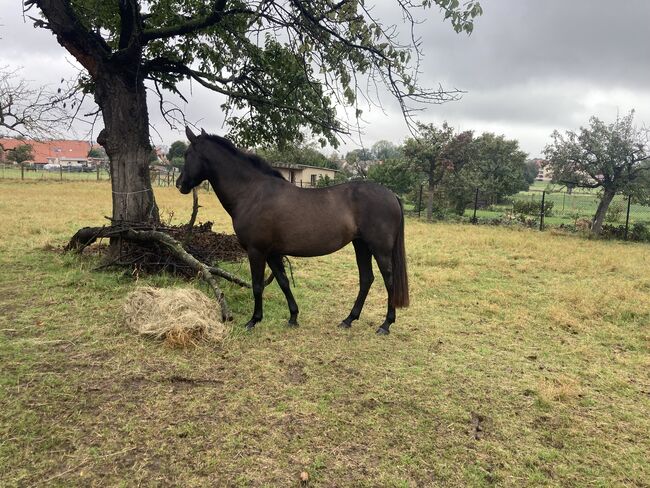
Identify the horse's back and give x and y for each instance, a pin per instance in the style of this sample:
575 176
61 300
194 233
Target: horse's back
311 222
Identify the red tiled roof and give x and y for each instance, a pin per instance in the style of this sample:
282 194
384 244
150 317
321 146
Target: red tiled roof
50 149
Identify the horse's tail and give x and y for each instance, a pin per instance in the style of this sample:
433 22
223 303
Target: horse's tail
400 277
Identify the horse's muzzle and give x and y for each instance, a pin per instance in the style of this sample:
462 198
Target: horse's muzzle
179 184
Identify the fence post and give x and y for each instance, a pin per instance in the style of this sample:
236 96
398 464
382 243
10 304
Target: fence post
420 201
475 206
97 172
627 216
22 171
61 172
541 216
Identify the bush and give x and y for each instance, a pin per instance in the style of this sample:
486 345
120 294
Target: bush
615 211
531 207
639 232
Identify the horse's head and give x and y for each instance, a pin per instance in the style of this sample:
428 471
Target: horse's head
195 170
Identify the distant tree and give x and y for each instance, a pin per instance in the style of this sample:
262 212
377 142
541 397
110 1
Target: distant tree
361 154
613 158
306 154
176 150
395 174
384 150
178 162
31 112
499 166
426 156
531 170
97 152
153 157
493 164
21 154
356 162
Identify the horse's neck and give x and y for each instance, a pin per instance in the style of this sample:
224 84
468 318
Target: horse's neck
233 183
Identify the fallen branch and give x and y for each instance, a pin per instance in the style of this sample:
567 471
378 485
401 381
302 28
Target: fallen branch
228 276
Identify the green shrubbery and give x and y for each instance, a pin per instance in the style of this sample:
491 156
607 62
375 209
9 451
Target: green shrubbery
532 207
639 232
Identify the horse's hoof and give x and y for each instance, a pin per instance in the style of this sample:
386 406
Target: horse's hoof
293 325
382 331
345 325
249 326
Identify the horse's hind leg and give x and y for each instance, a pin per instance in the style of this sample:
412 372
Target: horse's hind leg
364 262
385 263
276 265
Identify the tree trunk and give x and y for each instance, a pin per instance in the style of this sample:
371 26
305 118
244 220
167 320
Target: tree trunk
125 138
597 224
430 189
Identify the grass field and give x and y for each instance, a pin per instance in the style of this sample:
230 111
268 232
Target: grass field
523 361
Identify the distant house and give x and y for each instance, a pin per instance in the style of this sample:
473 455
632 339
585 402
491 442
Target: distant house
61 152
544 173
303 175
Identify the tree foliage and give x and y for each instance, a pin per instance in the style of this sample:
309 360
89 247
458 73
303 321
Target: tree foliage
495 165
613 157
383 150
306 154
394 174
426 156
21 154
282 64
176 150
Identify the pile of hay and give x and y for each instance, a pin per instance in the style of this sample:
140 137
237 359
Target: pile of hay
181 317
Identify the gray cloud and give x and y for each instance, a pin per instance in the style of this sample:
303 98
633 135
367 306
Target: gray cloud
529 67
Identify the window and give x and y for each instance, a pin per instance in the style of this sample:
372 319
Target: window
313 180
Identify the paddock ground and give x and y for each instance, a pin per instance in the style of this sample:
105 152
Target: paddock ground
523 361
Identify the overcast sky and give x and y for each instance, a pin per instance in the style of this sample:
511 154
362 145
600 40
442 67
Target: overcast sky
530 67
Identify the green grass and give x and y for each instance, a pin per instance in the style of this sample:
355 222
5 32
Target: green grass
540 341
567 208
12 172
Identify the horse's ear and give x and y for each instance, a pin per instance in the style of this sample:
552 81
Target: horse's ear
190 135
203 133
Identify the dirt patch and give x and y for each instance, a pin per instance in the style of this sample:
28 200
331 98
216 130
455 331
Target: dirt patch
478 424
296 374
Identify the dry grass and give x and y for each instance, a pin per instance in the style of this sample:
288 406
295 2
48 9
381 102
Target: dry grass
181 317
523 361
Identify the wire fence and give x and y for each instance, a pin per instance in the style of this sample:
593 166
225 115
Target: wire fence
159 177
536 208
541 209
75 173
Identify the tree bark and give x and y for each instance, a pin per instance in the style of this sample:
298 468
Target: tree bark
597 223
125 138
430 189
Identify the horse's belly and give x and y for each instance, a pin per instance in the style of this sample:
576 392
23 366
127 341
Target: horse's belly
316 242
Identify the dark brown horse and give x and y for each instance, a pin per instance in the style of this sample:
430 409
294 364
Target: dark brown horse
273 218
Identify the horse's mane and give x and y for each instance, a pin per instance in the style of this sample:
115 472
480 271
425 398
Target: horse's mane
255 161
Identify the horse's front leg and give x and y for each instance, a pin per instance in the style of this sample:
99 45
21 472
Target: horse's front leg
257 263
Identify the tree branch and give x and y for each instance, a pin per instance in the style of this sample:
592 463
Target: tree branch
88 47
194 24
